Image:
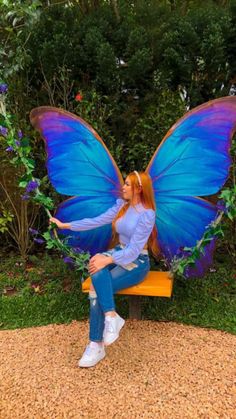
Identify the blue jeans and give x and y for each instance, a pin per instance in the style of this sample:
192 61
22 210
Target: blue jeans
106 283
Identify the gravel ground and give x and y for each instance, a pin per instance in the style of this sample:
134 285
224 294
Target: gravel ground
155 370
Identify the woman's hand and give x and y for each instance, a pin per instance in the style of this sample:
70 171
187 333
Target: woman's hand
58 223
99 262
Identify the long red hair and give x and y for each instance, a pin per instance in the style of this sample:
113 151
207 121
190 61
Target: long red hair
147 200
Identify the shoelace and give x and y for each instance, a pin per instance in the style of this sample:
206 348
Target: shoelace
89 350
109 327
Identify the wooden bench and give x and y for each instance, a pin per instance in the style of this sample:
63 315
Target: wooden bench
156 284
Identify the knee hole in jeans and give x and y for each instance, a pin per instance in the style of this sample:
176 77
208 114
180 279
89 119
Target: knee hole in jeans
92 294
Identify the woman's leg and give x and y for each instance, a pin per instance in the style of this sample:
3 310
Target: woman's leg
97 318
107 282
94 351
102 283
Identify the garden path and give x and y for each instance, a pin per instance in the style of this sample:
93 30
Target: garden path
155 370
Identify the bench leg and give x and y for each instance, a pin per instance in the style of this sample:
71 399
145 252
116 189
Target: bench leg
135 307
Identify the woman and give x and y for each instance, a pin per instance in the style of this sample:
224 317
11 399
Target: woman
133 218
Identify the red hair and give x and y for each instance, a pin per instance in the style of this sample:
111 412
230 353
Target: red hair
147 200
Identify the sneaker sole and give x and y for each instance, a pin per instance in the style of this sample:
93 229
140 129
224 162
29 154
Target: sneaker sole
116 337
91 365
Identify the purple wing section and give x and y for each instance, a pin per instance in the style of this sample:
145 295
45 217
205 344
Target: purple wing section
203 263
192 160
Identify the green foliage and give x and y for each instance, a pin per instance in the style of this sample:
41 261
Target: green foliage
140 66
149 130
98 110
139 56
137 41
5 217
229 197
107 79
16 22
46 291
190 45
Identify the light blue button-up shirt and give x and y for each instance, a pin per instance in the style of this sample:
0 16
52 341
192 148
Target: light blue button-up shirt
133 228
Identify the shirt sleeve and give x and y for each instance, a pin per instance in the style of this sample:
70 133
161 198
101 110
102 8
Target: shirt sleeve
138 240
102 219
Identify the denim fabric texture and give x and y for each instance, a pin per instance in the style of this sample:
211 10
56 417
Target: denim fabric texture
106 283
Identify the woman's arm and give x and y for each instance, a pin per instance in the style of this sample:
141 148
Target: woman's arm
59 224
89 223
98 262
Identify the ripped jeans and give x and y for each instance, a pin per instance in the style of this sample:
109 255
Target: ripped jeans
106 283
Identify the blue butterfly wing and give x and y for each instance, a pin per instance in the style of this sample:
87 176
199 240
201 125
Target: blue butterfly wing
79 163
192 160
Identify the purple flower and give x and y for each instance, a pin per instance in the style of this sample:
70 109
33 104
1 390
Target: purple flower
40 241
69 260
3 88
31 186
183 253
33 231
10 148
221 206
17 143
3 131
20 134
25 197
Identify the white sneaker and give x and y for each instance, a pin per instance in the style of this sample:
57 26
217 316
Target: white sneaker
92 355
112 328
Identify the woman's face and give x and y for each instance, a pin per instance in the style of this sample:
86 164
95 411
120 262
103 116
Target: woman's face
127 190
128 193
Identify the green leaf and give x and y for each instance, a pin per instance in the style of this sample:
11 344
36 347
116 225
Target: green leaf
47 236
31 163
50 245
23 184
181 269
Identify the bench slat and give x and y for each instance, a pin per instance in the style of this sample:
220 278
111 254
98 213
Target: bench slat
156 284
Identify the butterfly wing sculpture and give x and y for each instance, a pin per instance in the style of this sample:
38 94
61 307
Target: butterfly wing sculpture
192 161
79 165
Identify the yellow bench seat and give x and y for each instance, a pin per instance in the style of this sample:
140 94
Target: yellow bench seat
156 284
